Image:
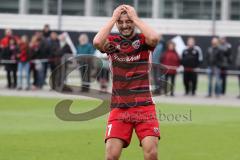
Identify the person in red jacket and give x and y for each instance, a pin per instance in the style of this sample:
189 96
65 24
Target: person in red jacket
8 35
23 64
171 60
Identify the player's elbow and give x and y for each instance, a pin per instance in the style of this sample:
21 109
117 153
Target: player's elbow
96 43
153 40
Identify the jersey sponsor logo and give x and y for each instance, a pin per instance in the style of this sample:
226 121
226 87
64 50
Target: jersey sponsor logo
127 58
136 44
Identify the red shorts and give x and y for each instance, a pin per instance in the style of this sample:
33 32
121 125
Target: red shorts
122 121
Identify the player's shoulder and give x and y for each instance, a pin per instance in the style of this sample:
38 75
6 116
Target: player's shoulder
114 37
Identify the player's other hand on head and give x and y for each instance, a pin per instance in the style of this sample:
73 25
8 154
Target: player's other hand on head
117 12
130 11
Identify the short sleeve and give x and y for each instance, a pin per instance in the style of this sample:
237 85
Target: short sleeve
143 42
110 46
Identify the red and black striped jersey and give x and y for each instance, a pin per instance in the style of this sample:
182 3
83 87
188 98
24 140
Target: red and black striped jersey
129 59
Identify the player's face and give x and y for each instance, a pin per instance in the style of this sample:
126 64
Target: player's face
125 26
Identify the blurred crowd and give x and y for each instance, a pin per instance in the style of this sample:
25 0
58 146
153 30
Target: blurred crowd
219 58
27 60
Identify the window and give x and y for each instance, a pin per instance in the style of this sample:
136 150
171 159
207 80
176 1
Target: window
235 11
102 8
9 6
36 6
73 7
144 8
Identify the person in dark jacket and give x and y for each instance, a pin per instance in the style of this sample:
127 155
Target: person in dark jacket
46 31
171 60
226 49
36 65
54 55
10 53
214 62
23 63
191 59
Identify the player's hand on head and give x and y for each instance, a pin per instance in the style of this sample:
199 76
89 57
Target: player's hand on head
117 12
130 11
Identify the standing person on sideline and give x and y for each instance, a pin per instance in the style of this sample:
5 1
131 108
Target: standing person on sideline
46 31
214 58
172 61
191 58
10 53
156 70
23 63
226 49
54 47
85 48
131 104
238 67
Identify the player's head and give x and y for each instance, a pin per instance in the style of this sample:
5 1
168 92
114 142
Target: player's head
125 25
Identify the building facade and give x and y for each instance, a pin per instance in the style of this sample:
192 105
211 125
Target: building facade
164 9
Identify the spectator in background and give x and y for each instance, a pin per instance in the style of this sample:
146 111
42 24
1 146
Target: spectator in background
54 47
10 52
238 66
63 50
85 48
214 58
226 49
23 64
159 49
42 57
46 31
64 47
191 59
36 65
103 77
8 35
171 59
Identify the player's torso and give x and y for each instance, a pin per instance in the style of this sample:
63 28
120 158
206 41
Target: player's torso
130 72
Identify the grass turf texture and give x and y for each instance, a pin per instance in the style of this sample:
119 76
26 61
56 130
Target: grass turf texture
29 130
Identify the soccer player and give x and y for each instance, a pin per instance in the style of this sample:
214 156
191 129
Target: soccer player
131 103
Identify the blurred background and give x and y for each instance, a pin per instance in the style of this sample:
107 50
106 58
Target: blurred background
198 78
175 20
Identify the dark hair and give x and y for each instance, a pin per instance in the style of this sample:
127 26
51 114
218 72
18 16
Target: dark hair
123 12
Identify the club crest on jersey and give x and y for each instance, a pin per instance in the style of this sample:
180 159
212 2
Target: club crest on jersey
136 44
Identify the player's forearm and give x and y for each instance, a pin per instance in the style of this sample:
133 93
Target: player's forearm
151 36
101 37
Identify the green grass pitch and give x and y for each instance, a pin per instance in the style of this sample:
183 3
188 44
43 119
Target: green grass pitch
29 130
